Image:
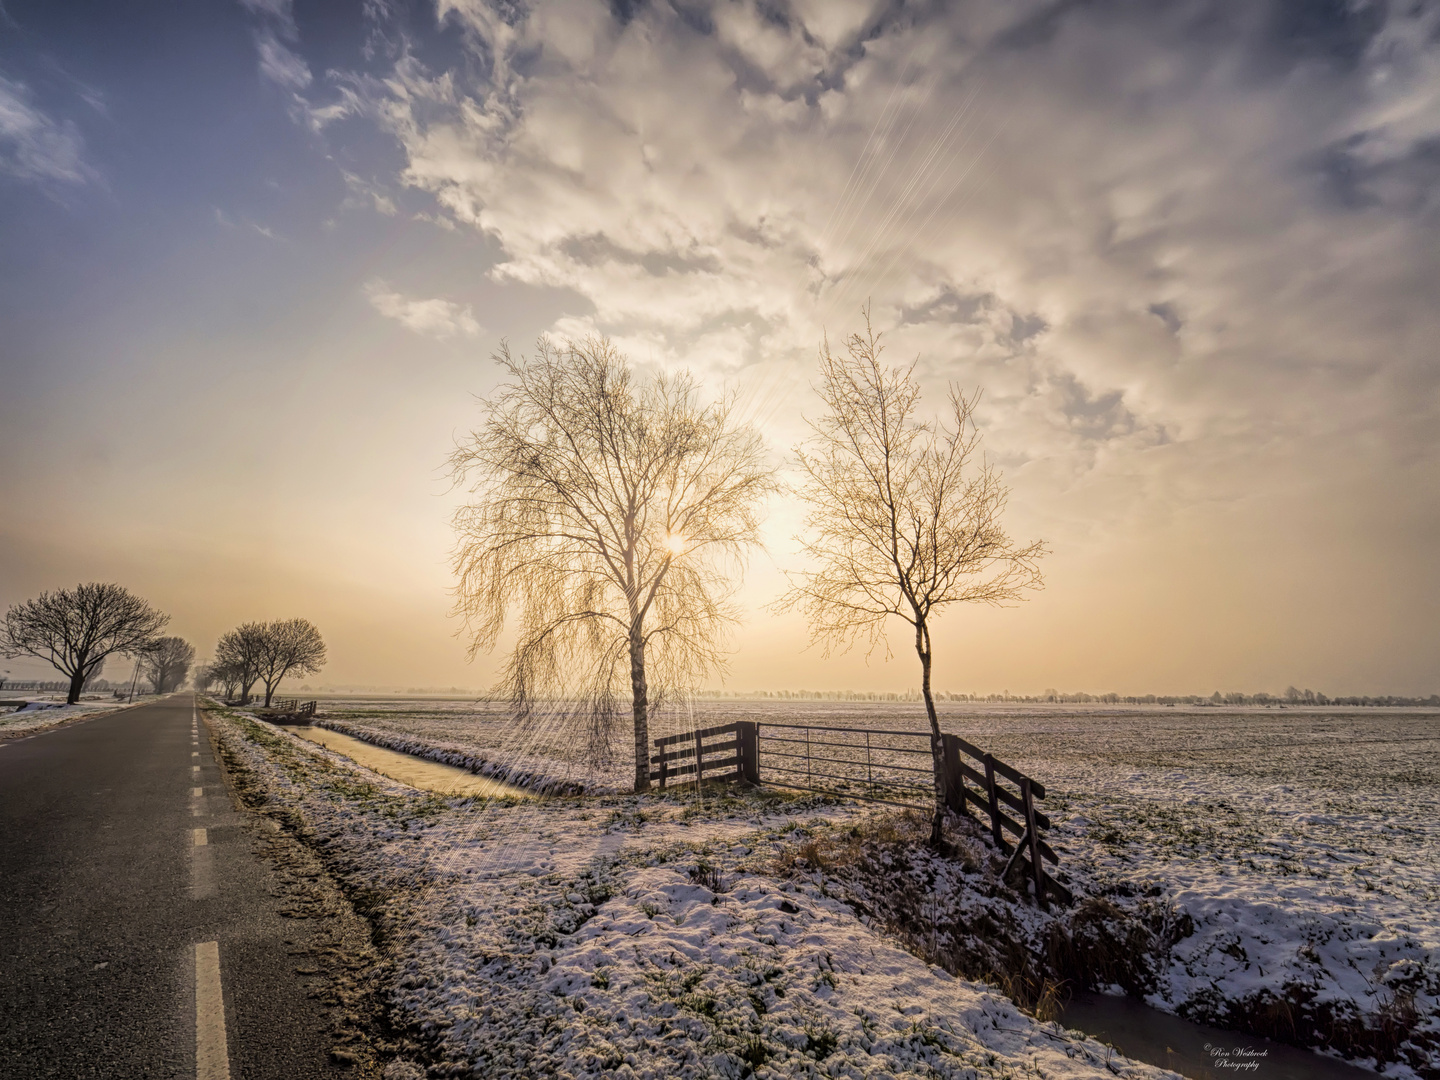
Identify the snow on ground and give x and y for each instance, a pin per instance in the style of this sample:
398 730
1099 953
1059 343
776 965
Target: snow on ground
630 936
1300 846
1303 845
40 715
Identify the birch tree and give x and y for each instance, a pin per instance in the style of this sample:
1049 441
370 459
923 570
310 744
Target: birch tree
904 516
609 523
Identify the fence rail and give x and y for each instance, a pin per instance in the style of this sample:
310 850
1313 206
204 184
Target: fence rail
898 768
697 759
293 707
876 764
1029 853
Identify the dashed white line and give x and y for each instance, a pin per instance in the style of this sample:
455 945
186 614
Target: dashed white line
201 838
194 768
212 1055
197 792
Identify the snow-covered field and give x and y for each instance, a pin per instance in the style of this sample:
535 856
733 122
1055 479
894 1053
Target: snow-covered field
41 714
1304 844
1300 847
619 936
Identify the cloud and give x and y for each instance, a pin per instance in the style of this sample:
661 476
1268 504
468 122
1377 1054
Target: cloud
366 193
723 184
34 146
1189 251
281 65
279 12
437 318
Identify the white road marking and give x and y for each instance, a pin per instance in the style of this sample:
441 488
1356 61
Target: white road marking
212 1055
194 753
197 792
201 839
195 768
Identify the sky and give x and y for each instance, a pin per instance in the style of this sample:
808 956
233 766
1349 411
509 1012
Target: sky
255 257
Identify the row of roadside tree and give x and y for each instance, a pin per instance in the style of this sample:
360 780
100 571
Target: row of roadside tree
264 653
77 630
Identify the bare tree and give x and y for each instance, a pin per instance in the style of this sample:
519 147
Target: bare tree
227 674
205 677
167 663
288 647
904 518
615 515
76 629
238 654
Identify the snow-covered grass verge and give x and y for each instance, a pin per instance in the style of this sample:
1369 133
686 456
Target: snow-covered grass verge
40 715
630 937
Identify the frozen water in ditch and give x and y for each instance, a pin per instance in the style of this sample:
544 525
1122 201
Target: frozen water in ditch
408 769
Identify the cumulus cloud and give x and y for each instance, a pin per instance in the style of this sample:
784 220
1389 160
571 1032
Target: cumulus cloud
1192 227
435 318
1189 251
34 146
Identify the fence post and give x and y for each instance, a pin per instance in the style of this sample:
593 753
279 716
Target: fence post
954 784
699 762
664 765
1032 833
995 829
747 734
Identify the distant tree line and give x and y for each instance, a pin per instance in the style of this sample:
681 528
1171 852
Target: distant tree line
1291 696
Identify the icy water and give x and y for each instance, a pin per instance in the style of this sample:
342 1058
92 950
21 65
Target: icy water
1195 1050
417 772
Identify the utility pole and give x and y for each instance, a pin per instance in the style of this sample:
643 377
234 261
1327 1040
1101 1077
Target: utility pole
133 679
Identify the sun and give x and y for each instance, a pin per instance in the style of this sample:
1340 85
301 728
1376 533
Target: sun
675 543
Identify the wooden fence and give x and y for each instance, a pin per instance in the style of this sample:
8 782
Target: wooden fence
691 755
894 767
293 707
1030 852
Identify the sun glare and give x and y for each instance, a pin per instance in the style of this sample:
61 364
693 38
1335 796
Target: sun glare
675 543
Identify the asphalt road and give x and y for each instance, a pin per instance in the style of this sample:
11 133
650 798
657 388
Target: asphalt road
106 891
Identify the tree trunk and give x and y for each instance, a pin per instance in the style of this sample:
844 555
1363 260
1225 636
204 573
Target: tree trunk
77 683
269 693
641 694
937 753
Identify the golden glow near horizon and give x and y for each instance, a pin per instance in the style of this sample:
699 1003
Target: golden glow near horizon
1201 310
